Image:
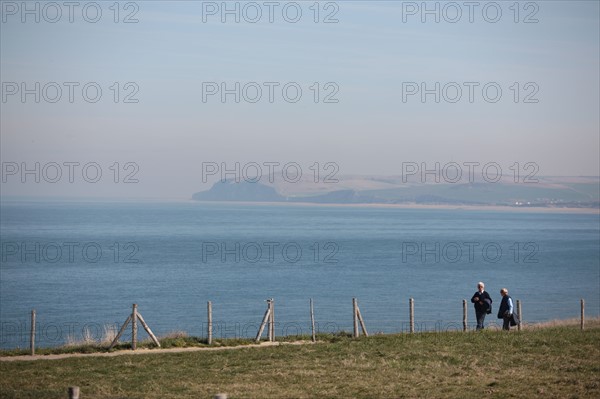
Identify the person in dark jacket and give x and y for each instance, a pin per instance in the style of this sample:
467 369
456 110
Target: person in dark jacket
483 304
506 310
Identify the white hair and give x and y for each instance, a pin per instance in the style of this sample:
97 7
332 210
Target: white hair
480 284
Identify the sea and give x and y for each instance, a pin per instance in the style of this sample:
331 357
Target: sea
81 265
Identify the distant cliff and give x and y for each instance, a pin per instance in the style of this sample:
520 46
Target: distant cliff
243 191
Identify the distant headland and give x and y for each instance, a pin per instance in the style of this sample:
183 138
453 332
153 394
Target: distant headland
548 192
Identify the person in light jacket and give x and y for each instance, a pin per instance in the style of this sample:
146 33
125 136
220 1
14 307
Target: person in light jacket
506 310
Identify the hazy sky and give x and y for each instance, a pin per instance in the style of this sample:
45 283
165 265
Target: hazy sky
371 61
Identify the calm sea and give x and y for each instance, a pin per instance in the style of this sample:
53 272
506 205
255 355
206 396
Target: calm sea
81 265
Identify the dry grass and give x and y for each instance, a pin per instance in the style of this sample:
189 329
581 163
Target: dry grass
174 335
589 322
108 335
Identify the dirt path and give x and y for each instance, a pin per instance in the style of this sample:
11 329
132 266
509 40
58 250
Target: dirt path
145 351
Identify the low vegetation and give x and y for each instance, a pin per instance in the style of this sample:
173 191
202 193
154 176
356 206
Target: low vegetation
555 361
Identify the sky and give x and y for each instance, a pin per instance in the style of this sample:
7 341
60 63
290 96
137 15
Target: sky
162 68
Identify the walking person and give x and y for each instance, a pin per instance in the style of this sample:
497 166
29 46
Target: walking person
506 310
483 304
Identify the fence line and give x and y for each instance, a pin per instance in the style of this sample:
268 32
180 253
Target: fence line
74 391
268 321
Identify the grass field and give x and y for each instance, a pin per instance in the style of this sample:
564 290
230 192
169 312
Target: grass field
555 361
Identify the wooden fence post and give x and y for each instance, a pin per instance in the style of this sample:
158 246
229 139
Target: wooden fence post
362 322
133 318
210 326
312 321
411 302
32 334
264 322
465 315
272 324
220 396
355 318
269 320
134 327
582 314
520 313
73 392
150 333
121 331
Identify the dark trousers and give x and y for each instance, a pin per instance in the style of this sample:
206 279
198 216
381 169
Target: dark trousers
506 323
480 319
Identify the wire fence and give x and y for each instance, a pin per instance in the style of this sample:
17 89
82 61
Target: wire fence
292 317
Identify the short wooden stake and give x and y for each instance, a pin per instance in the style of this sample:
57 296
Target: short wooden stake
220 396
209 328
520 313
134 327
355 317
582 314
312 321
465 315
73 392
411 303
32 333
